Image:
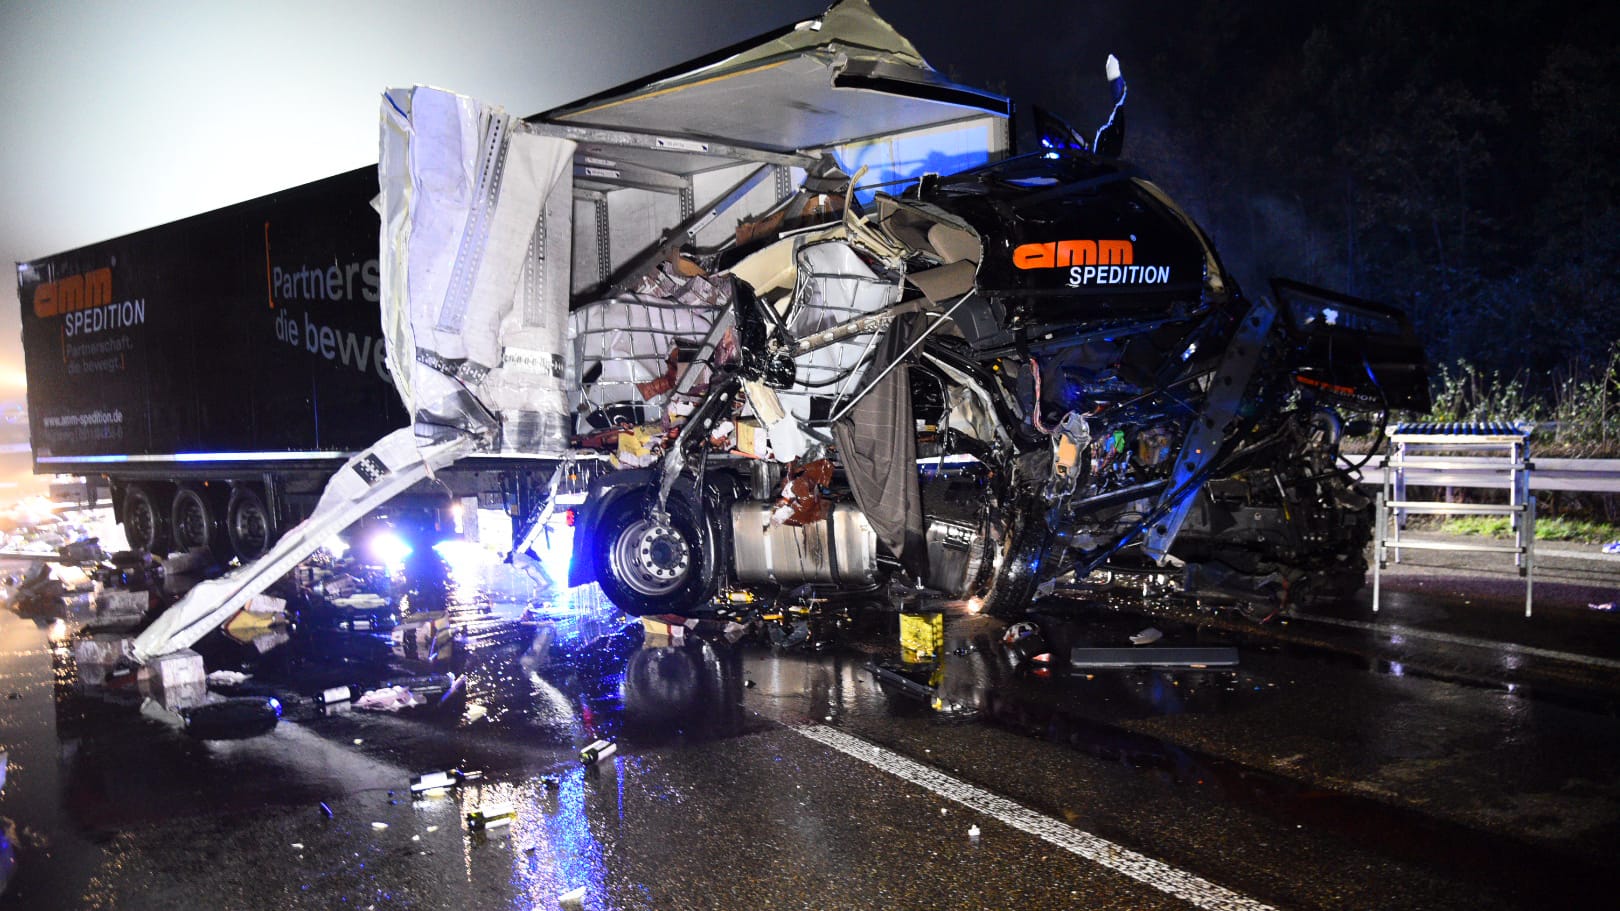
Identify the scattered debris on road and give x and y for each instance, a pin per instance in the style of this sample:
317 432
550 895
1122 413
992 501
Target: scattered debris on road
1147 636
597 751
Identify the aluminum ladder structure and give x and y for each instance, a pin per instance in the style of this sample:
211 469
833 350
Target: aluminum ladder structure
1496 447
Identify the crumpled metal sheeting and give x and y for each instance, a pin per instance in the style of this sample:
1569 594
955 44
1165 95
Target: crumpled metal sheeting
463 189
833 285
629 337
365 482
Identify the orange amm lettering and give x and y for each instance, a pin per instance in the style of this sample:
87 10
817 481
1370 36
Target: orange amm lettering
45 300
1064 253
1077 253
98 287
1033 256
1116 253
73 292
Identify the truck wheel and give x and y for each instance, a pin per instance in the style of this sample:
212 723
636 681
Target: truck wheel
146 525
249 523
196 522
645 568
1016 569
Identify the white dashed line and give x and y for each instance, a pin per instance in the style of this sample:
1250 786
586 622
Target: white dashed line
1098 850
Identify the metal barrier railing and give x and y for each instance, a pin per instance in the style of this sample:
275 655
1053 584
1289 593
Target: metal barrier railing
1487 454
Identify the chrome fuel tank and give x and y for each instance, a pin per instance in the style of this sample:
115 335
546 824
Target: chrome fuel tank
841 550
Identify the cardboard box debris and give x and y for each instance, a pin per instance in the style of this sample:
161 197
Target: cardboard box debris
194 560
96 654
177 680
122 605
423 638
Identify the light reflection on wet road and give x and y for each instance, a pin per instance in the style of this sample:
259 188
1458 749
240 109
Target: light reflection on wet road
1298 780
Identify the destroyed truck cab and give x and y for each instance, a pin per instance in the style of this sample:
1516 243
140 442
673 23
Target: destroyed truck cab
932 368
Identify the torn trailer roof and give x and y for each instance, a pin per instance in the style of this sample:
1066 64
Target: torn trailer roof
816 85
690 151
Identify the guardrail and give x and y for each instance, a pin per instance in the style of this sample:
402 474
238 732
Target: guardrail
1584 475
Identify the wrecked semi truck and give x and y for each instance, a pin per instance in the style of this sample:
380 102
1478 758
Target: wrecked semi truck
793 316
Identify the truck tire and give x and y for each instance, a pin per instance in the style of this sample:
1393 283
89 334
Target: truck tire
249 523
195 521
647 569
1017 563
146 524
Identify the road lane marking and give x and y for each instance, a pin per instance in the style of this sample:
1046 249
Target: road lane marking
1098 850
1395 629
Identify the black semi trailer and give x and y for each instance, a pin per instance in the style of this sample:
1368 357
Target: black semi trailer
216 369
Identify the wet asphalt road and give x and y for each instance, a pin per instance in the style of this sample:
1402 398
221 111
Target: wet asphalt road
1337 767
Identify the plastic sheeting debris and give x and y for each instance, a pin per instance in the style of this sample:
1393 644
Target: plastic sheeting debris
389 699
1147 636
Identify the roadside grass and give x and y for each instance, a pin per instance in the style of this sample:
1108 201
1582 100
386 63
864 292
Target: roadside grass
1553 528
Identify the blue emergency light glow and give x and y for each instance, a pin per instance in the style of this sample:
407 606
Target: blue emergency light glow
389 549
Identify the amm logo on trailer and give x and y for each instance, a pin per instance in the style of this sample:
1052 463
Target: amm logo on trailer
85 302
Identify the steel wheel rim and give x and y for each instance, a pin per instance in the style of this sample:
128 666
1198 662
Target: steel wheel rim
651 559
141 519
251 527
190 528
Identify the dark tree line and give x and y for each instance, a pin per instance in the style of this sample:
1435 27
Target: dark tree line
1458 159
